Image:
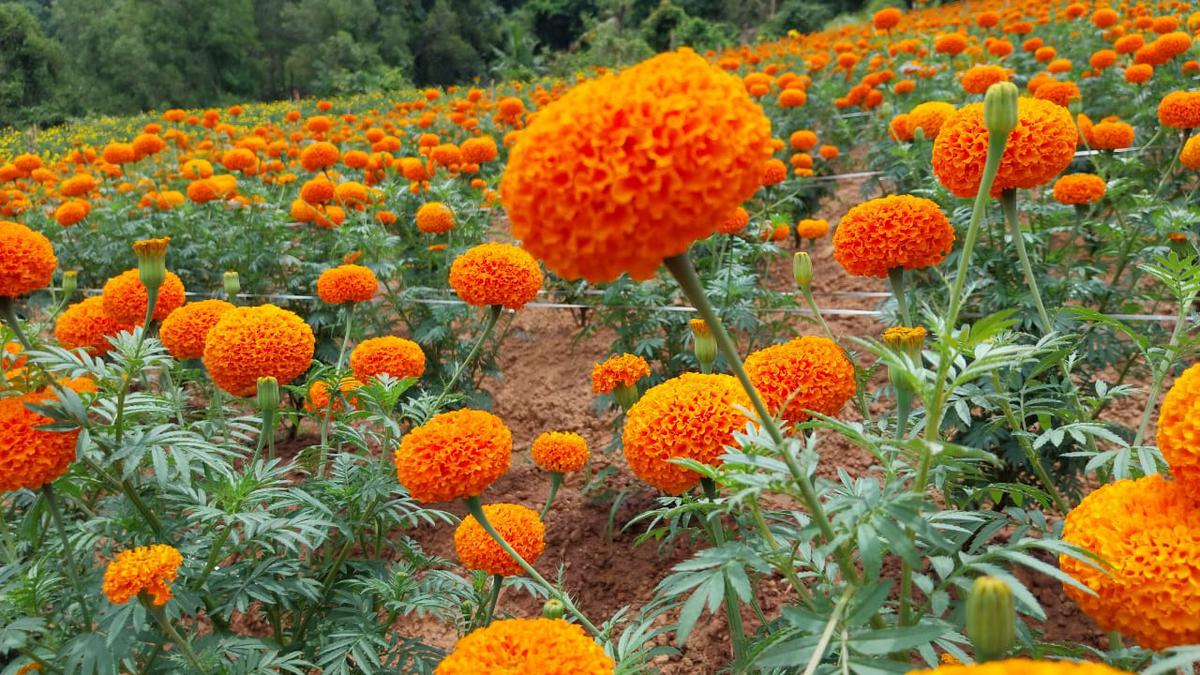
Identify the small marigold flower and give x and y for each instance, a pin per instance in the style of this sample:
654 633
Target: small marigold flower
145 569
895 231
318 396
604 180
812 228
621 370
1146 530
247 343
85 325
1061 93
1138 73
388 355
803 140
126 300
807 373
774 172
520 527
692 416
561 452
72 211
1180 110
319 155
496 274
184 331
346 283
1189 155
456 454
435 218
886 18
929 117
31 457
1111 136
950 43
1021 667
27 260
479 150
1079 188
977 79
1042 144
898 129
541 646
735 223
1179 426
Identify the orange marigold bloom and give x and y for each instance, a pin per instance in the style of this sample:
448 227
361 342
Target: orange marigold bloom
803 140
1079 188
247 343
119 153
774 172
828 152
1138 73
929 117
31 457
1042 145
898 129
515 646
977 79
622 369
812 228
1180 110
605 179
1102 59
1189 155
85 325
562 452
145 569
77 185
1061 93
886 18
27 260
1148 531
185 330
987 19
126 301
734 223
319 155
807 373
521 528
496 274
1179 426
240 159
1022 667
1105 17
1129 44
456 454
894 231
72 211
435 218
792 98
951 43
346 283
319 190
479 150
1111 136
692 416
318 396
388 355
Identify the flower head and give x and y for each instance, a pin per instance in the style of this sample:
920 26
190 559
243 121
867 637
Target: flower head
1179 426
1079 188
27 260
185 330
929 118
247 343
521 527
496 274
346 283
125 297
31 457
145 569
1023 667
561 452
525 647
435 218
626 170
977 79
620 370
1189 155
85 325
734 222
455 454
318 396
807 373
890 232
692 416
319 155
1180 110
388 355
812 228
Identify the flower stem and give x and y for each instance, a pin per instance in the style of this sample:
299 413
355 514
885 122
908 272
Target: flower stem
68 552
1008 201
733 611
186 647
8 313
556 479
489 603
896 277
333 390
488 326
1160 373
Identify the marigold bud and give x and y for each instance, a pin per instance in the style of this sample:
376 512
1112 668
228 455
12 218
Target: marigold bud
553 609
626 395
991 618
802 269
267 394
905 339
1000 109
152 261
70 282
233 284
705 345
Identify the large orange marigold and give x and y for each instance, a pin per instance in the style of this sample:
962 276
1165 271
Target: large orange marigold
889 232
435 218
525 647
1024 667
521 527
626 170
807 373
85 325
31 457
184 332
929 117
562 452
692 416
247 343
1148 530
125 298
147 569
455 454
388 355
496 274
1042 145
27 260
1180 110
346 283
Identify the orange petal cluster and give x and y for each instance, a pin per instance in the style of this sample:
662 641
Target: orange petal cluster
147 569
496 274
527 646
247 343
807 373
125 297
27 260
562 452
897 231
388 355
346 283
31 457
622 369
456 454
520 527
185 330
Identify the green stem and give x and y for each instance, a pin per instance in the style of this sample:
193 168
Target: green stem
904 397
896 277
214 557
685 274
812 305
1030 453
131 494
1008 201
186 647
733 610
8 312
488 326
489 603
334 390
556 478
68 552
1160 372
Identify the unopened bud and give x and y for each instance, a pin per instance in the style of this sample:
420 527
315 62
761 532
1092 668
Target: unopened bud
1000 109
70 282
626 395
233 284
152 261
991 618
905 339
267 398
553 609
918 134
704 345
802 269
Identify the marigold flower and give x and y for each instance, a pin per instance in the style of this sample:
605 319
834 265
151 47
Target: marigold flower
456 454
318 190
1138 73
886 18
240 159
145 569
1180 110
514 646
1102 59
812 228
562 452
31 457
1060 93
119 153
1148 530
1022 667
1105 17
604 180
346 283
247 343
692 416
774 172
620 370
496 274
898 129
929 117
72 211
890 232
1179 426
85 325
1042 144
125 298
1129 44
77 185
735 223
319 155
1111 136
185 330
479 150
435 218
27 260
388 355
1189 155
520 527
808 373
977 79
792 98
950 43
318 396
1079 188
803 140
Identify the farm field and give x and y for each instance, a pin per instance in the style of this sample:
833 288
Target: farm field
861 351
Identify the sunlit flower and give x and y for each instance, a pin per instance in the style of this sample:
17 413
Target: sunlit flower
247 343
145 569
496 274
456 454
531 646
520 527
562 452
31 457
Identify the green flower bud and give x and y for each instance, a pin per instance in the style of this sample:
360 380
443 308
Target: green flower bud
233 284
802 269
626 395
70 282
152 262
268 395
991 618
553 609
705 345
1000 109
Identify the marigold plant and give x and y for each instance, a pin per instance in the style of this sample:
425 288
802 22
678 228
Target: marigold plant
347 283
809 373
27 260
898 231
31 457
126 300
388 355
456 454
622 369
521 528
562 452
185 330
1079 188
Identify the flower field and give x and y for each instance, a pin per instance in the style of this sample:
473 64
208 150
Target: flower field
864 351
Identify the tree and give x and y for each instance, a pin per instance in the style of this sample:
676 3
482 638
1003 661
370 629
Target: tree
30 68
